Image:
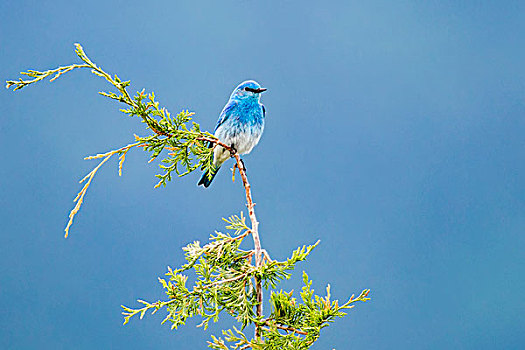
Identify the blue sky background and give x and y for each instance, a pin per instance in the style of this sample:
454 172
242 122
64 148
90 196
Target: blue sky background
395 134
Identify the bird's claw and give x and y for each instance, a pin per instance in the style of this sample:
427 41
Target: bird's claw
232 151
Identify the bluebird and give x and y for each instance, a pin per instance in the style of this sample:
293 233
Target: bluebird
240 125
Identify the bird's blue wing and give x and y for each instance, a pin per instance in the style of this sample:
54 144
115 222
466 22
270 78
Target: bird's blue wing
226 113
264 110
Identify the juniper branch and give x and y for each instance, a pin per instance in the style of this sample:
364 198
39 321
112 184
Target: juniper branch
188 141
226 278
80 196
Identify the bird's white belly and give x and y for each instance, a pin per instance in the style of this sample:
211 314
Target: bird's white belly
242 142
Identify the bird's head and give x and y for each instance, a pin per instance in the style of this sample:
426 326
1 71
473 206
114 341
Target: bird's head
248 89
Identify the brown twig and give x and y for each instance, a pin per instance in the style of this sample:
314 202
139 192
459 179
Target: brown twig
255 224
255 234
285 328
267 256
219 143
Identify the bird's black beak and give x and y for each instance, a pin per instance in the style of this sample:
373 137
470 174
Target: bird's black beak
257 91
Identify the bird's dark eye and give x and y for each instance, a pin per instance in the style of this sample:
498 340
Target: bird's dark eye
245 89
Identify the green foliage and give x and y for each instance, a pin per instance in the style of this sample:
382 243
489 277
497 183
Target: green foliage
310 316
274 271
291 325
227 279
187 146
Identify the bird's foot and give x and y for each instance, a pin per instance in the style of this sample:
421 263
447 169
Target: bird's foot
232 151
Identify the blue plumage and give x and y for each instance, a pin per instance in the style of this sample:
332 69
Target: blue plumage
240 125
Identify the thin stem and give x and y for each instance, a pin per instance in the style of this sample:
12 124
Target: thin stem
255 225
285 328
255 234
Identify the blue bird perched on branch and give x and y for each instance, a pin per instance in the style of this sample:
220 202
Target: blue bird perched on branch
240 125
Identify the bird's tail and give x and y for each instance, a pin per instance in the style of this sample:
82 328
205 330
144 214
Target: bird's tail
207 177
